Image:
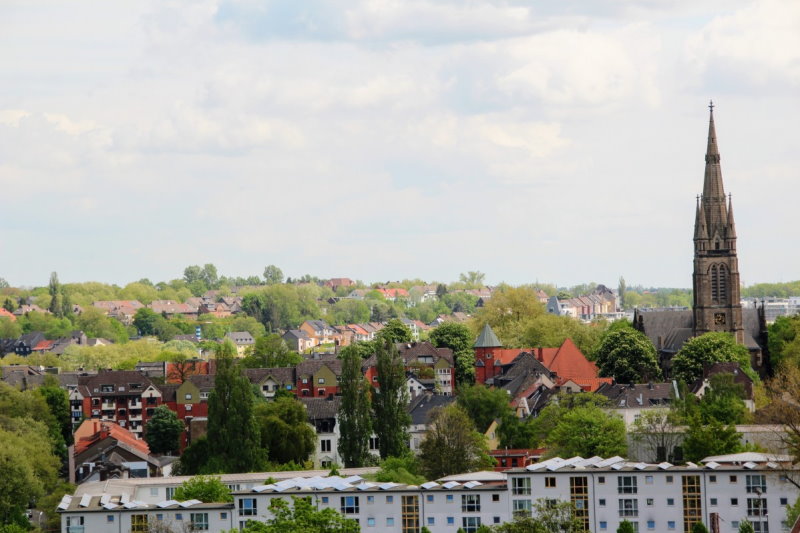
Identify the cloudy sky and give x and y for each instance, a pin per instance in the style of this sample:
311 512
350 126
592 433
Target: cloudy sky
558 141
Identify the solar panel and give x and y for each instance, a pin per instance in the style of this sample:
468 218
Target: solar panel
85 499
471 484
65 501
451 484
429 485
167 503
665 465
189 503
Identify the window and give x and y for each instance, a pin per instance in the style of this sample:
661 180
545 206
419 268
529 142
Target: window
170 492
471 523
756 484
110 518
321 381
431 521
756 506
248 507
733 479
74 524
521 507
450 520
199 521
373 443
603 525
449 498
390 499
188 397
648 480
304 381
138 523
321 392
520 486
784 501
223 516
389 520
178 516
713 501
349 504
601 480
669 479
409 508
649 502
601 502
651 524
370 522
734 502
429 498
626 485
370 499
153 491
712 479
325 445
470 503
671 525
670 501
324 499
628 507
550 482
495 497
692 501
496 519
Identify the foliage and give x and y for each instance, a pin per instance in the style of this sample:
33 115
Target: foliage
302 517
625 527
458 337
587 431
163 431
395 331
549 517
484 404
193 459
712 347
452 445
628 356
96 324
273 275
710 438
285 432
355 422
271 351
9 329
57 401
699 527
406 469
207 489
389 401
52 326
784 393
723 401
550 416
515 432
472 279
746 526
350 312
282 306
657 430
114 356
783 341
792 514
233 435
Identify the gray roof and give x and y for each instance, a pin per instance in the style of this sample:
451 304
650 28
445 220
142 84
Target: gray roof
674 328
487 339
642 395
320 408
420 407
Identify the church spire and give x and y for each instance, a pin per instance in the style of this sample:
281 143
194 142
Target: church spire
713 191
731 225
700 229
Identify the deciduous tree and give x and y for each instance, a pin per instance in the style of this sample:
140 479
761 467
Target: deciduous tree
302 517
484 404
713 347
452 445
587 431
458 337
163 431
390 400
395 331
658 432
285 432
355 421
704 439
273 275
271 351
207 489
628 356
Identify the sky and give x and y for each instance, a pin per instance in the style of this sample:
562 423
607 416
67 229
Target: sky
557 142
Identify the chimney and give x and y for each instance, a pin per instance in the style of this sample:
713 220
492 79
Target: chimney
540 354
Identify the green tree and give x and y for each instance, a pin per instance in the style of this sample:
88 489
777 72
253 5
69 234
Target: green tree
792 514
723 401
549 517
621 289
163 431
458 337
193 459
713 347
233 435
9 329
472 280
484 404
57 401
783 341
389 401
209 276
285 432
207 489
406 469
699 527
192 274
587 431
746 526
452 445
302 517
355 421
395 331
657 431
54 288
271 351
18 484
711 438
628 356
273 275
625 527
145 320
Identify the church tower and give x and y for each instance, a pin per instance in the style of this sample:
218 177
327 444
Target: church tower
717 302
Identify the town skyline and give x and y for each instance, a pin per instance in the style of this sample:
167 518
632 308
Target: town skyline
556 144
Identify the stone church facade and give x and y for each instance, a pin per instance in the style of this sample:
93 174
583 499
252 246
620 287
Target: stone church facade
715 282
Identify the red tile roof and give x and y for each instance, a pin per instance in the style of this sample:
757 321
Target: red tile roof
97 431
6 314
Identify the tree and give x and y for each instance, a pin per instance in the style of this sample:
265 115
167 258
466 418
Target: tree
711 438
9 329
483 404
473 279
355 422
54 289
145 321
713 347
792 514
3 283
550 516
784 395
209 276
207 489
625 527
621 289
233 435
587 431
390 400
285 432
405 469
163 431
657 431
746 526
273 275
699 527
452 445
723 401
458 337
302 517
628 356
271 351
57 401
192 274
395 331
783 341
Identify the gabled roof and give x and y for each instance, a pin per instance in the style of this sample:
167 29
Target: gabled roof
637 395
100 430
568 362
420 406
281 375
487 338
321 408
6 314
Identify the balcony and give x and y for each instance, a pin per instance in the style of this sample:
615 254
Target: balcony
135 417
109 406
135 403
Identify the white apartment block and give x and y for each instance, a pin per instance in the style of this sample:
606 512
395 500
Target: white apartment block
654 497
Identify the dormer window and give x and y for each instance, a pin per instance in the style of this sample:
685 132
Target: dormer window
106 388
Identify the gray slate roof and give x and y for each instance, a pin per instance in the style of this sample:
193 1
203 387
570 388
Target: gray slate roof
487 339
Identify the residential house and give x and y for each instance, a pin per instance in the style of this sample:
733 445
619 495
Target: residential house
321 331
171 308
242 340
270 380
26 344
360 333
630 401
418 356
335 283
700 387
318 376
323 414
393 294
298 340
420 408
24 309
122 310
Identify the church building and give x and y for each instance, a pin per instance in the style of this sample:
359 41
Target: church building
715 283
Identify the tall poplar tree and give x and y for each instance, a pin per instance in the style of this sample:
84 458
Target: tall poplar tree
390 401
233 434
56 298
355 422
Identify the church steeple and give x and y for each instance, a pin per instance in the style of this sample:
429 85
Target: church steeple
717 305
